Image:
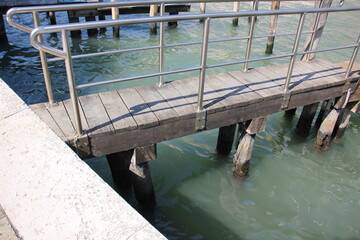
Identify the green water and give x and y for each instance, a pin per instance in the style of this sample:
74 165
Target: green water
292 192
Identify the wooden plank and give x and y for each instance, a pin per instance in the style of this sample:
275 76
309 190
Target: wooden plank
117 111
157 104
176 101
211 100
138 108
42 112
258 83
69 109
61 116
186 91
231 89
96 116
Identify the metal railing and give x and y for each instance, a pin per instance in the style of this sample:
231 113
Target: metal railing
65 52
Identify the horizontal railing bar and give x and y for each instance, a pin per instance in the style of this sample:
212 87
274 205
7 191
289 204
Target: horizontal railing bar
104 53
136 77
328 49
247 61
172 18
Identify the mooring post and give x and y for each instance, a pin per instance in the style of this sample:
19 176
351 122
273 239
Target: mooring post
343 120
141 176
115 15
153 13
275 5
3 37
317 26
326 130
119 164
306 118
225 139
74 19
173 24
91 32
243 153
235 20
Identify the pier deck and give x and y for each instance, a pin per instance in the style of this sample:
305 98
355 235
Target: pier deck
120 120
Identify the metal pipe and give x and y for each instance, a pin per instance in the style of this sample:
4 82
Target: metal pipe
71 81
204 51
44 63
294 52
316 25
161 46
352 59
251 33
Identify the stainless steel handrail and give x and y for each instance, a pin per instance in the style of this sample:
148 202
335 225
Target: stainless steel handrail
65 54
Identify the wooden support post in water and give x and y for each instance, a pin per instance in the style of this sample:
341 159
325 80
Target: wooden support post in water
290 112
306 118
343 120
91 32
3 37
173 24
202 9
102 18
73 19
225 139
141 177
326 130
119 164
243 153
317 25
325 106
153 13
275 5
52 18
115 15
235 21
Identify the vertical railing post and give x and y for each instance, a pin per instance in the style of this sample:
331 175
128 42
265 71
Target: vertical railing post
44 63
250 37
315 27
71 80
161 46
204 50
352 59
294 51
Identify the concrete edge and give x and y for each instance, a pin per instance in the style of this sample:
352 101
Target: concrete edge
48 192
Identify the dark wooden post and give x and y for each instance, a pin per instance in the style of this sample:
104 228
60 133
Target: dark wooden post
153 13
141 177
275 5
343 120
115 15
52 18
326 130
173 24
91 32
235 20
3 37
306 118
243 153
102 18
290 112
119 164
225 139
74 19
324 110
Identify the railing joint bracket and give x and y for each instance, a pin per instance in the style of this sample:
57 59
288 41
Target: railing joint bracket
286 100
200 120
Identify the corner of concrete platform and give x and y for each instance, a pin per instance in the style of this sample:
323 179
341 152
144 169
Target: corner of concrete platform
48 192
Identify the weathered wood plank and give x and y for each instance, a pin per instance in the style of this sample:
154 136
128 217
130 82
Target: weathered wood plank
119 114
96 116
60 115
69 108
187 91
158 105
140 111
258 83
42 112
177 101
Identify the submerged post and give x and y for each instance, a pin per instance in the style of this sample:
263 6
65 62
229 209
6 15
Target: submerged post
74 19
306 118
225 139
3 37
92 32
115 15
119 164
275 5
247 133
235 20
153 13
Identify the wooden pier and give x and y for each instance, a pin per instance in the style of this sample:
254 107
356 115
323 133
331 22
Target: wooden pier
121 120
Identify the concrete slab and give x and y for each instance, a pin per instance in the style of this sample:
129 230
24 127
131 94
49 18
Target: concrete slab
6 231
49 193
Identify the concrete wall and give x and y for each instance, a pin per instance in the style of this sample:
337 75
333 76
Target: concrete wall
47 192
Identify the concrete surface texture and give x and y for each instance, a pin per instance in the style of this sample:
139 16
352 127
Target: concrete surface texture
6 231
47 192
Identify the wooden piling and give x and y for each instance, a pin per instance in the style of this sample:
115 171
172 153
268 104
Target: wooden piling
141 176
275 5
173 24
52 18
290 112
306 118
235 20
243 153
153 13
102 18
202 9
119 164
115 15
324 110
91 32
3 37
325 132
225 139
343 120
74 19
